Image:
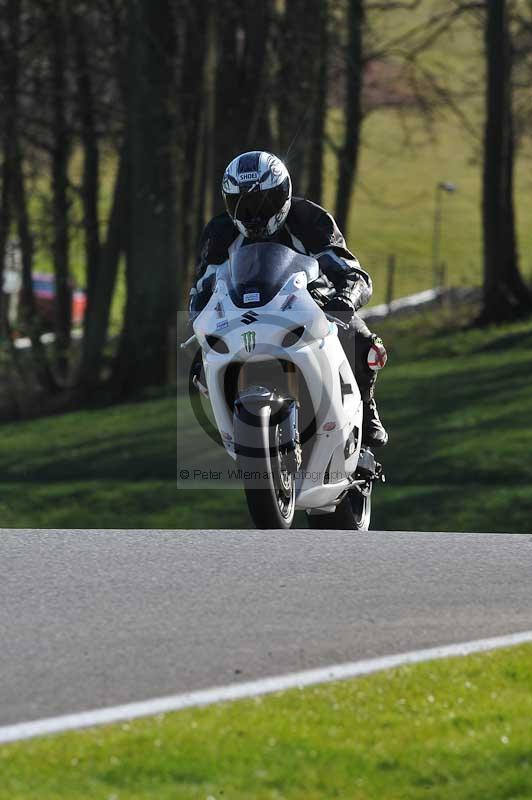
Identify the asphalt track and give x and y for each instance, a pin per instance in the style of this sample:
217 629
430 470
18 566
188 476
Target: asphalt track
90 619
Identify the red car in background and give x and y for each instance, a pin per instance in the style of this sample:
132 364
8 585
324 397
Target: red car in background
44 292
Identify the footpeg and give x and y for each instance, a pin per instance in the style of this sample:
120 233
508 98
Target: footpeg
367 466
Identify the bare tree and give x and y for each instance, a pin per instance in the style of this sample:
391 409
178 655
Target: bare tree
61 150
349 151
10 78
505 295
86 112
316 150
97 321
151 273
195 105
241 84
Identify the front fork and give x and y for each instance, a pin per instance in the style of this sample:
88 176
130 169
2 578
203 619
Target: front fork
284 412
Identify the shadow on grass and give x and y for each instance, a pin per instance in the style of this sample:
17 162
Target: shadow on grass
132 456
519 339
459 456
471 426
119 504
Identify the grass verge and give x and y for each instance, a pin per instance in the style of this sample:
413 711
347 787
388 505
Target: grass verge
457 404
456 729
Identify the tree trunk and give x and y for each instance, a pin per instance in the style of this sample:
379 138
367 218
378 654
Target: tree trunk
91 155
255 74
504 293
230 140
193 104
5 225
29 312
10 369
296 86
348 155
319 106
11 67
97 323
60 205
151 250
241 112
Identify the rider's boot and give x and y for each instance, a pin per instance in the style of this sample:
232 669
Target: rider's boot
374 433
366 354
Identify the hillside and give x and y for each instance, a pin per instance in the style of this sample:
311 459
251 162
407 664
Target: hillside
456 403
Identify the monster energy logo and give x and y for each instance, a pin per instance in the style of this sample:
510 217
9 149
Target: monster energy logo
249 341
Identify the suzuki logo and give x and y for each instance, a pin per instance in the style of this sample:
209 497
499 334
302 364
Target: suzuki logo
249 317
249 341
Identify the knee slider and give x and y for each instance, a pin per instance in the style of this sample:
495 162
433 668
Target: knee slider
377 355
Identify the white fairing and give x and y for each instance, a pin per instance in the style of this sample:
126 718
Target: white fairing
319 357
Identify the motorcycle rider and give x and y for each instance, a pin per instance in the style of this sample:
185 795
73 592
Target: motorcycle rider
257 192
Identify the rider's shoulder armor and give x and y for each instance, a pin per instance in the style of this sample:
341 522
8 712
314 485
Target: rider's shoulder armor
309 227
340 272
314 226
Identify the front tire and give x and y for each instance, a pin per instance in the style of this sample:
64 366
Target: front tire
269 482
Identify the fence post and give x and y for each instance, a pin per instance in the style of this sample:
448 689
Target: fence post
442 280
390 280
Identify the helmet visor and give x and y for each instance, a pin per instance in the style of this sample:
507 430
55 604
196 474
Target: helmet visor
257 207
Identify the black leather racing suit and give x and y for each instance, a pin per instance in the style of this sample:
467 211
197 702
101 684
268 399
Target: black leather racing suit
310 230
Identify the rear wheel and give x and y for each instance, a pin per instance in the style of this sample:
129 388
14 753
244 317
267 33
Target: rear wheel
352 514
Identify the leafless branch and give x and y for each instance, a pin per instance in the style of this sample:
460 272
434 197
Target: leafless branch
394 6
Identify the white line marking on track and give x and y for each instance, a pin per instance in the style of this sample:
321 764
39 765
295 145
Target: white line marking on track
239 691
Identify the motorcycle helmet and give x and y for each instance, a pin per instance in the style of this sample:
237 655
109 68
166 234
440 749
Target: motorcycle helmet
257 193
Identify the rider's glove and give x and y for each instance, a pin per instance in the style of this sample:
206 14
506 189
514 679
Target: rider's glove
341 307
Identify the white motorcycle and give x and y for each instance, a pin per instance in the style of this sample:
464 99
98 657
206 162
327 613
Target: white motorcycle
284 397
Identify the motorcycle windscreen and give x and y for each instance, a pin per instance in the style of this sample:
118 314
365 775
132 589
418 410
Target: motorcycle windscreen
259 270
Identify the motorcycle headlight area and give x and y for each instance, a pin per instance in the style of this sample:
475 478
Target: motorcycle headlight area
217 344
293 336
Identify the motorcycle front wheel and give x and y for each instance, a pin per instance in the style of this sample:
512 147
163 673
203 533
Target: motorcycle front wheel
269 483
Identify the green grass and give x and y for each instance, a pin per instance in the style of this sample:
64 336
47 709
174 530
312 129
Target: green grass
457 404
112 467
458 409
393 204
457 729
